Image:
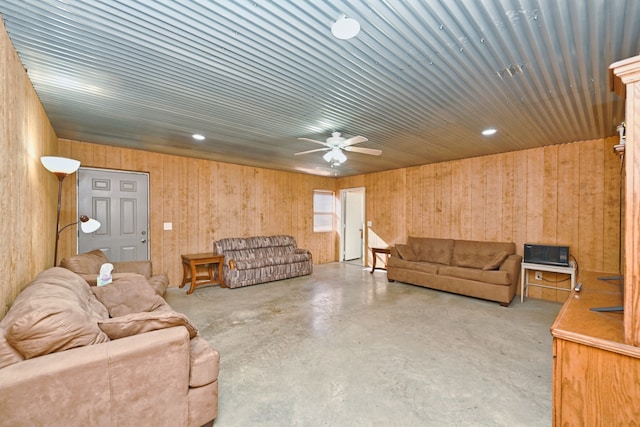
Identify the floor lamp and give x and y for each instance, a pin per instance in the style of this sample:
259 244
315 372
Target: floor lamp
61 167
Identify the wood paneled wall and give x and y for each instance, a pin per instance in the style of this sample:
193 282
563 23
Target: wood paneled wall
207 200
565 194
28 192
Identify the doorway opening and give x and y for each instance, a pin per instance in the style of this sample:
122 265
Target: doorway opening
352 217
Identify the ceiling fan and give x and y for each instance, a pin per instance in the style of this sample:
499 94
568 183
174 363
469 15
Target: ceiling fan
336 143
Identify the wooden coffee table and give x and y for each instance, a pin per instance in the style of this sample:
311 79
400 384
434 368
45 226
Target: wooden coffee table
190 265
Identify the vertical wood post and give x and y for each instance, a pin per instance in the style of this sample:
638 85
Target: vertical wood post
625 81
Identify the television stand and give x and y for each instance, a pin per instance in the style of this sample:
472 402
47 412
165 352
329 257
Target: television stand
524 277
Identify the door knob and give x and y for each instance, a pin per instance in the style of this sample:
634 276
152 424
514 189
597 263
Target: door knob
143 241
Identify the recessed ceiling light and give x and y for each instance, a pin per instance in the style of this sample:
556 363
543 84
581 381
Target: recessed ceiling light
489 131
345 28
197 137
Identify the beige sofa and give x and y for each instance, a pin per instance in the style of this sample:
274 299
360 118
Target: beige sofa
116 355
261 259
487 270
88 266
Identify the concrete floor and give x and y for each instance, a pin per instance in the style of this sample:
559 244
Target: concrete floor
344 347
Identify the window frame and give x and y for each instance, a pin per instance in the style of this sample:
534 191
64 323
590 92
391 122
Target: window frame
321 211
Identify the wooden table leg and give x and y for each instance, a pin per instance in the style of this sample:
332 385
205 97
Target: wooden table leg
185 273
220 278
194 276
373 264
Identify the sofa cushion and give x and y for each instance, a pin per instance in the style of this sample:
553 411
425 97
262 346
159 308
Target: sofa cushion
92 279
159 283
496 277
496 261
127 295
87 263
406 252
432 249
139 323
55 312
8 354
418 266
205 362
249 264
475 254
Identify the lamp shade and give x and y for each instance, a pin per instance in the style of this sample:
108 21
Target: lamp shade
335 155
90 225
60 164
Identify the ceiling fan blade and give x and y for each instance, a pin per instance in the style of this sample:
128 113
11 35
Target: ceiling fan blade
313 140
372 151
311 151
354 140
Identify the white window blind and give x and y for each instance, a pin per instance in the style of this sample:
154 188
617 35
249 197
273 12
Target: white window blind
323 210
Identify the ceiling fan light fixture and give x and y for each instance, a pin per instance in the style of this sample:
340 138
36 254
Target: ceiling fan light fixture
345 28
335 155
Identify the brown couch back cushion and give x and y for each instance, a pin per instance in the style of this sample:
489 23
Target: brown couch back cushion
431 249
406 252
87 263
474 254
132 294
55 312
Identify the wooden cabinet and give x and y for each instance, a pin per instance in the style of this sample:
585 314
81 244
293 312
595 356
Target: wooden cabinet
596 367
596 376
625 81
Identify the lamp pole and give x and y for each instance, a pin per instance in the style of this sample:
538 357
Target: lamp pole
61 176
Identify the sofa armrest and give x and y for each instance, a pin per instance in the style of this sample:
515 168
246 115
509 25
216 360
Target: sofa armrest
393 252
303 251
140 267
512 266
137 380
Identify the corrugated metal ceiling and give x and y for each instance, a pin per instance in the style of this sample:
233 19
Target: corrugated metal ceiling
420 80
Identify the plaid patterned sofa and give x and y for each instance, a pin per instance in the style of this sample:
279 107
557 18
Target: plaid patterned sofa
260 259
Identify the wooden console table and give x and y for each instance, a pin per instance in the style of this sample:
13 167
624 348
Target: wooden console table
190 265
374 252
596 376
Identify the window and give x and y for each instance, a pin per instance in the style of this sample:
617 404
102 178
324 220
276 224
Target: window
323 210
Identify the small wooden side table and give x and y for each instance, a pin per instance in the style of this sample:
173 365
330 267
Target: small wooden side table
190 263
374 252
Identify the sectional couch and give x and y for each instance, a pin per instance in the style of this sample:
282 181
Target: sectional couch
116 355
487 270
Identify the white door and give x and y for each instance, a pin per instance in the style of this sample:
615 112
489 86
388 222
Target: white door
120 201
353 214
